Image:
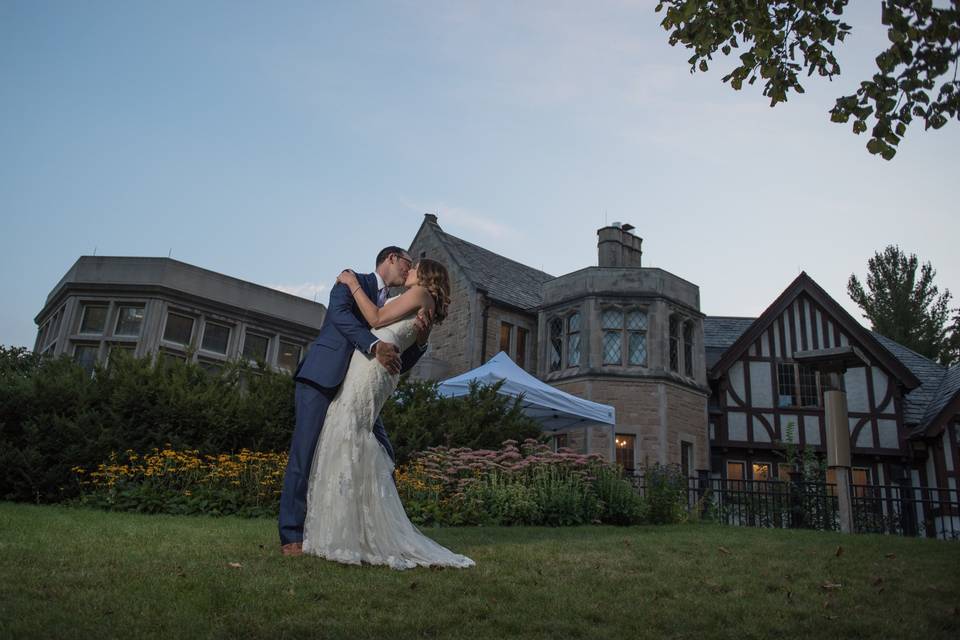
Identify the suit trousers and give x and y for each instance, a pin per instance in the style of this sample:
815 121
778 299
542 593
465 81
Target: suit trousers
310 405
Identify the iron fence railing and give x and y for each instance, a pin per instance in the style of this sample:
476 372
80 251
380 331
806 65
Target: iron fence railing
899 509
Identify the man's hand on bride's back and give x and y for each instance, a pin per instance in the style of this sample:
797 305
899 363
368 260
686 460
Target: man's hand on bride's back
423 323
388 355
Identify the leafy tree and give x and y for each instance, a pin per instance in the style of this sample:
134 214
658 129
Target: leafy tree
783 38
907 308
417 417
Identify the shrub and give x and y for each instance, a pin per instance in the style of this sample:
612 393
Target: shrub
186 483
665 494
417 417
516 484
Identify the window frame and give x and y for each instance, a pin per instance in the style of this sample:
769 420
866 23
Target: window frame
798 396
569 334
617 448
84 308
143 319
194 324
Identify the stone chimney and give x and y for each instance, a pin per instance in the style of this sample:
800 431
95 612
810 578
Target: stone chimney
618 247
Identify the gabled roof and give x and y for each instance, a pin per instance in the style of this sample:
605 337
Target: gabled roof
805 284
503 279
929 373
947 394
720 332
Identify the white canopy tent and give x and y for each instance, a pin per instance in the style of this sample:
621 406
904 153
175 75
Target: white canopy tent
552 408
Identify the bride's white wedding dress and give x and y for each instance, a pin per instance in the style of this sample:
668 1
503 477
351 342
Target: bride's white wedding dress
354 514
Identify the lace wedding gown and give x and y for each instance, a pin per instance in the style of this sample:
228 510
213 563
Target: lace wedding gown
354 514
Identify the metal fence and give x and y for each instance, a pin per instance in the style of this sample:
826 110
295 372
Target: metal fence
898 509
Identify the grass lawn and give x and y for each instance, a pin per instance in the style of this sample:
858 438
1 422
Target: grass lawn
77 573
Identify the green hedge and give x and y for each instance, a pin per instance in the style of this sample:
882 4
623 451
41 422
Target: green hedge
55 416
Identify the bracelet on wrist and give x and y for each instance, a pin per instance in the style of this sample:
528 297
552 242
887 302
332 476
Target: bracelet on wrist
355 290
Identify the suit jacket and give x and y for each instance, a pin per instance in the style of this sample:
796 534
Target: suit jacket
344 329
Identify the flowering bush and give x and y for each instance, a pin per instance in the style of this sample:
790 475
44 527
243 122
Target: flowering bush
184 482
518 484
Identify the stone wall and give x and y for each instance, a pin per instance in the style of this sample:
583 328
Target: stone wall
496 315
454 345
660 414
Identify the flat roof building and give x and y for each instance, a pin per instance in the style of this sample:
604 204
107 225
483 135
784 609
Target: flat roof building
163 306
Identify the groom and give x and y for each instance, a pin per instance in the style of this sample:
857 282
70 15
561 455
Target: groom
321 373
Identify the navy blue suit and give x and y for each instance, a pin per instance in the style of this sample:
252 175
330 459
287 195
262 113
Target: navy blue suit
318 378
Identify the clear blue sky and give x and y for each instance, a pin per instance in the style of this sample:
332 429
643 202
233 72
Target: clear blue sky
280 142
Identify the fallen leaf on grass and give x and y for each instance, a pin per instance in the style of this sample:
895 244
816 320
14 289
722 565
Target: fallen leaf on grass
839 551
724 550
891 556
831 586
235 565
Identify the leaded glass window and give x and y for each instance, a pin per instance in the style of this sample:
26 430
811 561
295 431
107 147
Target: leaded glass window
688 349
573 340
611 321
637 337
556 343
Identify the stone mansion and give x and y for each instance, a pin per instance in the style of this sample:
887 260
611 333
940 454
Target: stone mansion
720 394
707 393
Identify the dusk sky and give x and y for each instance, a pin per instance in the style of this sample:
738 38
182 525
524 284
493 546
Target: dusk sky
280 142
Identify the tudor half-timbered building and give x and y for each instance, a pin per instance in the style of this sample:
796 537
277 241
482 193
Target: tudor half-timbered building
718 394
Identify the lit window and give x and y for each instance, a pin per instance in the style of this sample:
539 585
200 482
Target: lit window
761 471
94 319
625 445
215 337
289 356
179 329
255 347
129 321
573 340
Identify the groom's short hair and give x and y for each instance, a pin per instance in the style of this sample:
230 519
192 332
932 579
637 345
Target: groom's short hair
385 253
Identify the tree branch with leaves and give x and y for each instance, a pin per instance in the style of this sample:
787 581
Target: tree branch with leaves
916 75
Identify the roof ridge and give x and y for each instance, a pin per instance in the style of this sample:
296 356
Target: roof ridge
476 246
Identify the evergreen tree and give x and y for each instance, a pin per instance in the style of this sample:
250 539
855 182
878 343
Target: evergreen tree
906 306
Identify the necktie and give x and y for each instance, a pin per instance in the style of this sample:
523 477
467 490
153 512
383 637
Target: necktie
381 297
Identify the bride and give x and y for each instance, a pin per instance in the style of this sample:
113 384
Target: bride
354 514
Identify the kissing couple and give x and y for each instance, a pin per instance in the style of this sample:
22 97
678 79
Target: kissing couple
339 498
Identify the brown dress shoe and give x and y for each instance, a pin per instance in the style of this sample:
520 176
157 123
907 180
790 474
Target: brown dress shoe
292 549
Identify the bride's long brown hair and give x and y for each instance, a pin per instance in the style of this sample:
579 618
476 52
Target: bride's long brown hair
433 276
